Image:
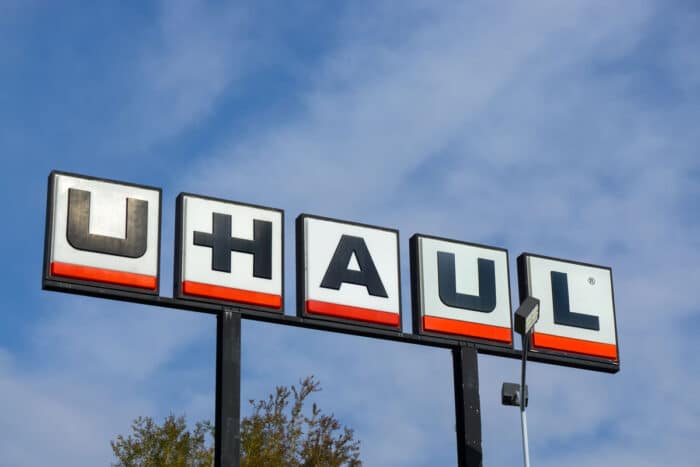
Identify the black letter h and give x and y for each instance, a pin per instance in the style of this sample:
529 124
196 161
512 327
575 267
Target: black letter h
222 244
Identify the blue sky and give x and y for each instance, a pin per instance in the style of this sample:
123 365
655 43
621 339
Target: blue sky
561 128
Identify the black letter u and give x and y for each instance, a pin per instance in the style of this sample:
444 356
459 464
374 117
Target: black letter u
447 285
80 238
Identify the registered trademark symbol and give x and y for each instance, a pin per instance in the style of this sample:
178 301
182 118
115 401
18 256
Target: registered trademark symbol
591 280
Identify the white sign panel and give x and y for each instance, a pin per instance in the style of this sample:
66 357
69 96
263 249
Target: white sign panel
461 289
103 232
577 311
229 252
348 272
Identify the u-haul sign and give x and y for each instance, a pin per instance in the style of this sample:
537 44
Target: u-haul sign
104 234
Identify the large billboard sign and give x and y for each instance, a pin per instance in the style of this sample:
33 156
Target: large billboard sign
577 309
103 235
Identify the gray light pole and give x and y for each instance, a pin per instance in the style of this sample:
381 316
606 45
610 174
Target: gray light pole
512 394
523 418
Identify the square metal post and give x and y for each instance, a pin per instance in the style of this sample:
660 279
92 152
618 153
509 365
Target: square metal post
227 431
467 406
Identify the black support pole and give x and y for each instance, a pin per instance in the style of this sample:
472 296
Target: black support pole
227 437
467 406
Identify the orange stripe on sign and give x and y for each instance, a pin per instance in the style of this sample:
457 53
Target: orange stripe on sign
232 295
109 276
568 344
463 328
351 312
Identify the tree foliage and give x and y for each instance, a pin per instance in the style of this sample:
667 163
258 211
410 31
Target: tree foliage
169 444
278 433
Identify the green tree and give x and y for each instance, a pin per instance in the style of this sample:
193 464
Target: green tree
278 433
169 444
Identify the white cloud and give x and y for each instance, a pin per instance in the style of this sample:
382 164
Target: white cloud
92 368
399 107
197 50
512 124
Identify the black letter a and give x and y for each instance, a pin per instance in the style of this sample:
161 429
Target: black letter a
338 271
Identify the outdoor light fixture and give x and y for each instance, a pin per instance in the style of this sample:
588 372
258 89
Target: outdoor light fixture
526 316
512 394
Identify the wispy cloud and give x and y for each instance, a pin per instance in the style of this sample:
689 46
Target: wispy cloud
92 368
535 128
195 52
